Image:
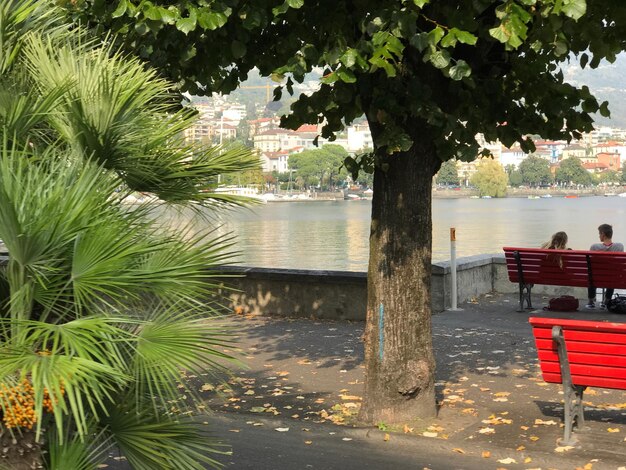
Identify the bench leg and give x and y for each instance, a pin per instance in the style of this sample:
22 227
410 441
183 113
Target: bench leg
524 295
573 393
574 416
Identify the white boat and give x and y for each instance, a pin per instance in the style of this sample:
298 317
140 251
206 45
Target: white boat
252 193
622 194
546 195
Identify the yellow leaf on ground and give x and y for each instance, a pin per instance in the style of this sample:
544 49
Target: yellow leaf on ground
387 437
545 423
486 454
458 451
563 448
407 429
613 430
528 460
308 442
507 461
429 434
520 448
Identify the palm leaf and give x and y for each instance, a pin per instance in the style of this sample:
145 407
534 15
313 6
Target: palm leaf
165 444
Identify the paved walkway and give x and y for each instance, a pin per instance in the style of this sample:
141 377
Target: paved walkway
293 406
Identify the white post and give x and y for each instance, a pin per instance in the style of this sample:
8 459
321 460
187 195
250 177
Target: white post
453 292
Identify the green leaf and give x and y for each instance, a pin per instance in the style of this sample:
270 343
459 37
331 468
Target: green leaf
420 41
421 3
574 9
604 109
450 39
121 9
584 59
346 75
440 59
500 33
435 35
329 78
349 58
460 70
466 37
238 49
153 13
211 20
295 3
186 25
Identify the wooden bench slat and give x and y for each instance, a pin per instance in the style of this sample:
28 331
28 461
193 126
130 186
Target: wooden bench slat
584 358
586 370
582 347
597 337
619 384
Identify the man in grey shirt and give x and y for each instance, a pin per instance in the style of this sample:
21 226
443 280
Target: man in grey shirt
606 244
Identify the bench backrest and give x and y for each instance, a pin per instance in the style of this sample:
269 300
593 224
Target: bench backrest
575 268
596 351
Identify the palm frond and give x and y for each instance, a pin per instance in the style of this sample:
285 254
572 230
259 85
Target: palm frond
165 444
76 453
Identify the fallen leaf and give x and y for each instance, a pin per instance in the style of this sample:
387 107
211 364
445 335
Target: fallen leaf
308 442
486 431
346 439
486 454
233 430
533 438
520 448
613 430
407 429
458 451
508 460
429 434
387 437
545 423
563 448
281 429
207 388
528 460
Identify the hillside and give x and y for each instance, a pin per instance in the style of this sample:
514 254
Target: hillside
607 82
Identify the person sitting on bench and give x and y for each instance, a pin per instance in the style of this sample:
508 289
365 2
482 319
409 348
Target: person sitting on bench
605 231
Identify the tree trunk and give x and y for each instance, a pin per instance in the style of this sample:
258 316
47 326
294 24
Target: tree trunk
399 359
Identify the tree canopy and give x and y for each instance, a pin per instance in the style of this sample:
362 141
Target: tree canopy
429 76
535 171
448 174
319 166
571 171
490 178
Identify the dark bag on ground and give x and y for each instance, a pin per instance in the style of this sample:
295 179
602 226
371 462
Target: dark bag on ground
617 304
565 303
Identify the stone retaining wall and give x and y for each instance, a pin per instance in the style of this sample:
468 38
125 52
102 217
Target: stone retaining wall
342 295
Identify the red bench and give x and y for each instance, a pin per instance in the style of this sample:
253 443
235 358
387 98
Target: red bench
580 354
572 268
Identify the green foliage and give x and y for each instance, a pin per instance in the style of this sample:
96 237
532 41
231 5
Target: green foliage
448 173
105 304
515 178
623 176
450 69
320 166
571 171
609 176
490 179
535 171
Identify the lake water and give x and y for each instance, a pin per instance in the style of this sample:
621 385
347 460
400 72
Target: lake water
333 235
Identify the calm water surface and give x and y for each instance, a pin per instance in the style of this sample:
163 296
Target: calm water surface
333 235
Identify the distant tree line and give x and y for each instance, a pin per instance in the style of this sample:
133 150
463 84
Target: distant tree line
491 179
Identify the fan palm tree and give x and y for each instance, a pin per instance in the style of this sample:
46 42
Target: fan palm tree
104 310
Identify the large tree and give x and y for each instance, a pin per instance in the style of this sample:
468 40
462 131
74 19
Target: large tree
490 179
429 76
571 171
535 171
448 174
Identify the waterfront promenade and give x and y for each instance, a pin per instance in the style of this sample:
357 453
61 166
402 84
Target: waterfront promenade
294 403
